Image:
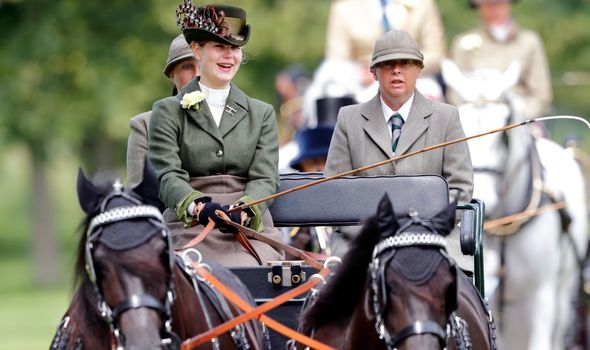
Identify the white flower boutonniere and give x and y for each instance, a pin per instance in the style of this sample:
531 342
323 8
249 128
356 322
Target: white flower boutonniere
192 100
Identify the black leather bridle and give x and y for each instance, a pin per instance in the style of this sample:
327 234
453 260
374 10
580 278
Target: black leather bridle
134 301
455 326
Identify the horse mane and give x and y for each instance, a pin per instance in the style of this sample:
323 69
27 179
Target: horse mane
80 265
338 298
84 301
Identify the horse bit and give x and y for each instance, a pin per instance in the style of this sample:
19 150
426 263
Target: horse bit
455 325
111 315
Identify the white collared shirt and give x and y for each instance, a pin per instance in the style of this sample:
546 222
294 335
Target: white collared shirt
216 99
404 111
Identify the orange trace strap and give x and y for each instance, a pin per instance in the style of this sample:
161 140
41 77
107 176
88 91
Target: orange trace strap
251 312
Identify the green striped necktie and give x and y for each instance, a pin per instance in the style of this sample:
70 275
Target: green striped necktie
396 129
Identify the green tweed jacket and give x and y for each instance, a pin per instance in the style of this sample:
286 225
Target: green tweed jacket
185 143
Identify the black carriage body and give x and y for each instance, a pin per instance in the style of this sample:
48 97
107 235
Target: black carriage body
348 201
259 281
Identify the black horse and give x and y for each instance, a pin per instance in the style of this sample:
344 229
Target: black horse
397 288
132 291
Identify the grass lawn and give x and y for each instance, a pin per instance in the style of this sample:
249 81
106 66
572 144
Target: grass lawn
29 314
29 317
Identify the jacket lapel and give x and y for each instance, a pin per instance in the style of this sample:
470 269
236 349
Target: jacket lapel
235 110
202 116
375 125
416 124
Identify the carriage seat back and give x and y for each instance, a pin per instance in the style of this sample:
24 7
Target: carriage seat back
350 200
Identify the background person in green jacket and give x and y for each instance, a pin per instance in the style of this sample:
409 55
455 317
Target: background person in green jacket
212 146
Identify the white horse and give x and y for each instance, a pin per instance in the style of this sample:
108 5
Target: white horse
532 265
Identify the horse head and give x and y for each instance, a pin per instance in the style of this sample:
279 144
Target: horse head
396 286
487 103
129 287
413 281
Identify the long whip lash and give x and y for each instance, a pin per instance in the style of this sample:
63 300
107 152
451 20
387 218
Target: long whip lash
403 156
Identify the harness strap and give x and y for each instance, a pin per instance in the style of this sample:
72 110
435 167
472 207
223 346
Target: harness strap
535 197
419 328
225 313
459 330
251 312
138 301
491 224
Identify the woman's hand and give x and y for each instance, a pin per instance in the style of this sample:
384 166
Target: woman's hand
205 211
237 216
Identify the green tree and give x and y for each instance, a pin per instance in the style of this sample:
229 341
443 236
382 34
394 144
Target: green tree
74 72
72 69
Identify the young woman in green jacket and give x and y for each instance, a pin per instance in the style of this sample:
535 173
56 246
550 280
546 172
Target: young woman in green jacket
214 147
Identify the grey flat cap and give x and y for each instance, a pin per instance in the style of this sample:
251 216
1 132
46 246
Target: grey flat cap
396 45
179 50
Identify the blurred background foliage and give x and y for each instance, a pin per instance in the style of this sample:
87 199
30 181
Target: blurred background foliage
74 72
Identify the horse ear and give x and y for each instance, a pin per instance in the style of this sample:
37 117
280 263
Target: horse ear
456 80
88 195
386 220
444 221
149 187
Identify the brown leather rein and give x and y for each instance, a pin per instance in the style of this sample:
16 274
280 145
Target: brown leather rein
239 236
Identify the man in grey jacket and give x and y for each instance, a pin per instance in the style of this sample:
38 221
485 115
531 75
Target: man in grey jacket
400 120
